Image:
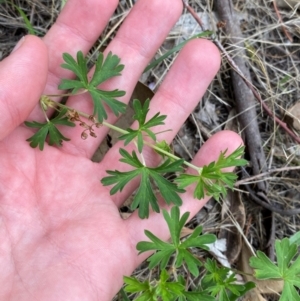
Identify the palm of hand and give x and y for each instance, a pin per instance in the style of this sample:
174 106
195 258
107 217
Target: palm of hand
57 224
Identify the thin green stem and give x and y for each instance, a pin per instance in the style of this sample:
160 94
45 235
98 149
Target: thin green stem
115 128
51 103
158 149
43 109
82 91
173 267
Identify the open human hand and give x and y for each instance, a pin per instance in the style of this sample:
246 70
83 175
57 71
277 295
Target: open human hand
62 237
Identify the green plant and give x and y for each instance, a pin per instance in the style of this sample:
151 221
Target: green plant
212 180
145 195
162 289
217 281
221 282
285 269
49 128
104 69
165 250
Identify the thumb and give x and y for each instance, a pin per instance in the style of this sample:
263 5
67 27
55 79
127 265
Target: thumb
23 76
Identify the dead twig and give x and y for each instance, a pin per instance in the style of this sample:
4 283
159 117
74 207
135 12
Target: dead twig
256 177
193 13
244 96
245 101
254 196
236 68
288 35
257 95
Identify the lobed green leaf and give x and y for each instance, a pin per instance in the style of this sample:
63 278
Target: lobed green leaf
165 250
101 97
212 180
144 127
195 240
190 260
79 67
175 223
145 196
221 282
104 69
49 129
286 269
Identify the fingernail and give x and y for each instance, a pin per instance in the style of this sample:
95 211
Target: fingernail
19 44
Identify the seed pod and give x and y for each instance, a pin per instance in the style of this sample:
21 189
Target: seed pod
84 135
92 118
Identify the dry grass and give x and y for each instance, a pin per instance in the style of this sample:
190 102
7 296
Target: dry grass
273 57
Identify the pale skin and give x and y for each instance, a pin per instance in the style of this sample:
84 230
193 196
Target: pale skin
61 234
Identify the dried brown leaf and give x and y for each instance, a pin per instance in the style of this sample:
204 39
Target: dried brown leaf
232 122
253 295
234 207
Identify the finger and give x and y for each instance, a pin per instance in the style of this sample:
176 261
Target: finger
23 76
143 31
209 152
77 28
180 92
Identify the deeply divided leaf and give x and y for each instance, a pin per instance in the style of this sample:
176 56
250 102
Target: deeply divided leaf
140 115
165 250
164 289
212 180
105 69
149 179
221 282
100 98
49 130
287 268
